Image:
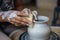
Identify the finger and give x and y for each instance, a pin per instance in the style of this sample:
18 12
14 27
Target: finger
17 24
18 18
23 19
15 21
26 11
22 14
21 23
12 22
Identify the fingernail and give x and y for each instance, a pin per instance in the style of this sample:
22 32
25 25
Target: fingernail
27 24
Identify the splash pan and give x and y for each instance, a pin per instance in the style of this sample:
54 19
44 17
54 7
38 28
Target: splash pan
25 36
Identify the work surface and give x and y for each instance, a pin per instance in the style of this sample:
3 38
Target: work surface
53 28
56 29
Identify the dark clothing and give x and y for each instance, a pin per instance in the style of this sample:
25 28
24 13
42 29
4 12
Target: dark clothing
6 5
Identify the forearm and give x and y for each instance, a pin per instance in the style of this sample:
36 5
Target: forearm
7 15
3 16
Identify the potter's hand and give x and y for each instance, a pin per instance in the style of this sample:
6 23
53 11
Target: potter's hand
24 17
32 15
15 17
19 19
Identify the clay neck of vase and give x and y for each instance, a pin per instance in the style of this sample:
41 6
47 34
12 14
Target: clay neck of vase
41 19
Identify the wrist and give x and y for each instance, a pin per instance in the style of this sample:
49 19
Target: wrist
0 19
5 20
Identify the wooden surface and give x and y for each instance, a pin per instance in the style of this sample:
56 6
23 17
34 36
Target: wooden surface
56 30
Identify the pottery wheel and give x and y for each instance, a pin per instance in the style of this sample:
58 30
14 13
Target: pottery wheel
25 36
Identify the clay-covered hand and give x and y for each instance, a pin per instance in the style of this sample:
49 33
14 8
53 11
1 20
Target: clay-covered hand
17 17
24 17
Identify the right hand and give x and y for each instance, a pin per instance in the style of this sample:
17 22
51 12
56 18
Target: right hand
21 18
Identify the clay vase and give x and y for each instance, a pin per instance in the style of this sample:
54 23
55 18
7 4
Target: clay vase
40 30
